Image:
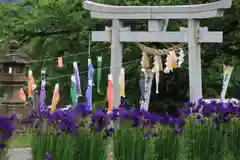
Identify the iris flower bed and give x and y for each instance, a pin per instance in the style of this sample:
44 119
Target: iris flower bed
6 130
202 131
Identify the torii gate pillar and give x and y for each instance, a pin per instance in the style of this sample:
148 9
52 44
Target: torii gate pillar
193 35
194 62
116 59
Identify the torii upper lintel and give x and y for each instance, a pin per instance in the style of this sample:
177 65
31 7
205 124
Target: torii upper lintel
199 11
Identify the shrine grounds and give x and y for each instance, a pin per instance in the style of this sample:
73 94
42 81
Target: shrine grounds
197 130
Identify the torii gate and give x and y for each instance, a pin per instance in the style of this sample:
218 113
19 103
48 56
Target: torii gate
158 17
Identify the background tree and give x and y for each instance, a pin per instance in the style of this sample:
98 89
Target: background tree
55 28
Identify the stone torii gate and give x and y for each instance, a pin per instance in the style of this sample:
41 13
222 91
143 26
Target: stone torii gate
158 17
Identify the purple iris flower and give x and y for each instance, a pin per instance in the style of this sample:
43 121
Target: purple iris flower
114 115
100 120
108 132
217 123
207 111
153 118
184 111
6 128
165 120
48 156
179 122
68 126
178 130
123 113
199 117
146 135
80 110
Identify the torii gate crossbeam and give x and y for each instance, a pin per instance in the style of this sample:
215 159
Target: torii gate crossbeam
158 17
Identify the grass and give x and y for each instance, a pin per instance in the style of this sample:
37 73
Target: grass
3 155
86 145
20 141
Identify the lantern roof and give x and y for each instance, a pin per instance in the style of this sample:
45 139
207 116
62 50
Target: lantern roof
13 55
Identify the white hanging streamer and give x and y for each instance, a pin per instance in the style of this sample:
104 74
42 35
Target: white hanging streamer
148 87
181 57
227 72
157 68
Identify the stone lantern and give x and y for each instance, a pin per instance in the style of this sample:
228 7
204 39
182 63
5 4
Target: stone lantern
12 79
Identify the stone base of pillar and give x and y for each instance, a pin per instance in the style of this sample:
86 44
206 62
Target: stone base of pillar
19 108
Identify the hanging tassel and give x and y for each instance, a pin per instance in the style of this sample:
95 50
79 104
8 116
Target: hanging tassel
110 93
171 62
88 93
77 79
55 99
157 68
31 82
122 82
42 91
181 57
99 72
60 62
73 91
22 95
174 59
145 61
167 64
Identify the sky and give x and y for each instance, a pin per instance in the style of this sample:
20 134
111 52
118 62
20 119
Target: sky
10 1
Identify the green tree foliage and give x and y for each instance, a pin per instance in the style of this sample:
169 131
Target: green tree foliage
55 28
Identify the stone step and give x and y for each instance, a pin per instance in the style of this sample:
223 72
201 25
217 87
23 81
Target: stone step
20 154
